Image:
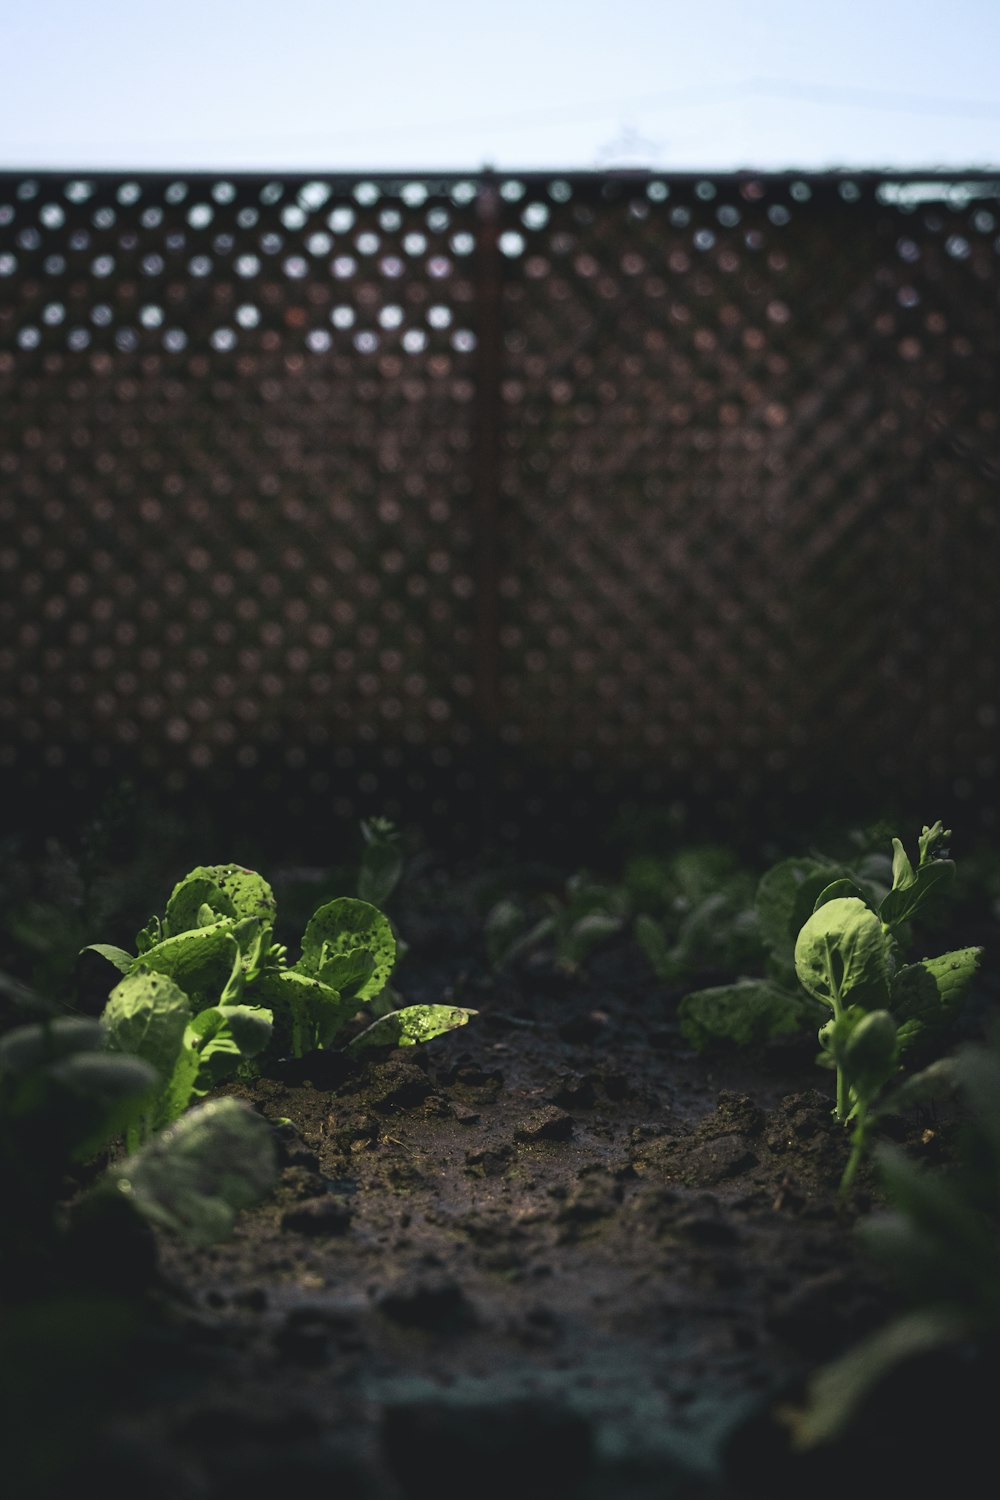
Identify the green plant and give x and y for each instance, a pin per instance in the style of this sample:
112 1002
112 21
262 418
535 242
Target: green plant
575 923
938 1240
64 1097
847 957
215 945
760 1008
696 913
381 861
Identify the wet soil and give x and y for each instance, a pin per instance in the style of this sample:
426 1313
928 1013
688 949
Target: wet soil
553 1254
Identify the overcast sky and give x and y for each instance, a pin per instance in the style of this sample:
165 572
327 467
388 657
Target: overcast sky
318 84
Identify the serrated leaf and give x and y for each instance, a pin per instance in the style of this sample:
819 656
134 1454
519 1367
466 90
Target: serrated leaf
840 955
411 1026
200 1172
343 926
746 1013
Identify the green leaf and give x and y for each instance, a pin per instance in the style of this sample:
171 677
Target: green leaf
197 1174
939 1080
836 890
122 961
840 955
200 960
244 891
930 838
652 939
74 1096
903 902
786 895
412 1025
348 973
344 926
505 928
838 1391
902 871
193 897
927 996
306 1012
952 1249
222 1036
746 1013
870 1055
381 862
149 935
147 1015
24 1048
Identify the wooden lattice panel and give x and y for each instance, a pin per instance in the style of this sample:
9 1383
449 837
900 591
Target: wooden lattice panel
749 473
691 478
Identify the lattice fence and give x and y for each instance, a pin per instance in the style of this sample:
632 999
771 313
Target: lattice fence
376 490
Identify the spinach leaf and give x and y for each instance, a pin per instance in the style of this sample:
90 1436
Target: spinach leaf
747 1013
411 1025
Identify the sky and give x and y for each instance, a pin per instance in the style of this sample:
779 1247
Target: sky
530 84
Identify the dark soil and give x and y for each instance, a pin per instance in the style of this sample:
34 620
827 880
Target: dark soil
553 1254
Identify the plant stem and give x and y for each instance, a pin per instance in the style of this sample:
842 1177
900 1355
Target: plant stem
843 1101
858 1142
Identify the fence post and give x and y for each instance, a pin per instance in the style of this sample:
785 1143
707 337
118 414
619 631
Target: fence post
486 464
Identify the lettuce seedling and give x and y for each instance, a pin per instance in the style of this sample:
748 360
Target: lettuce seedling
149 1016
215 944
847 958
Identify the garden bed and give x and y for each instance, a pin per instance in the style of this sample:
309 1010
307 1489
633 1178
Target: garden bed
555 1253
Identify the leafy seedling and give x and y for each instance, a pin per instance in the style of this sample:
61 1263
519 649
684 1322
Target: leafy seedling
62 1098
707 919
149 1016
215 945
195 1176
847 959
938 1240
576 923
